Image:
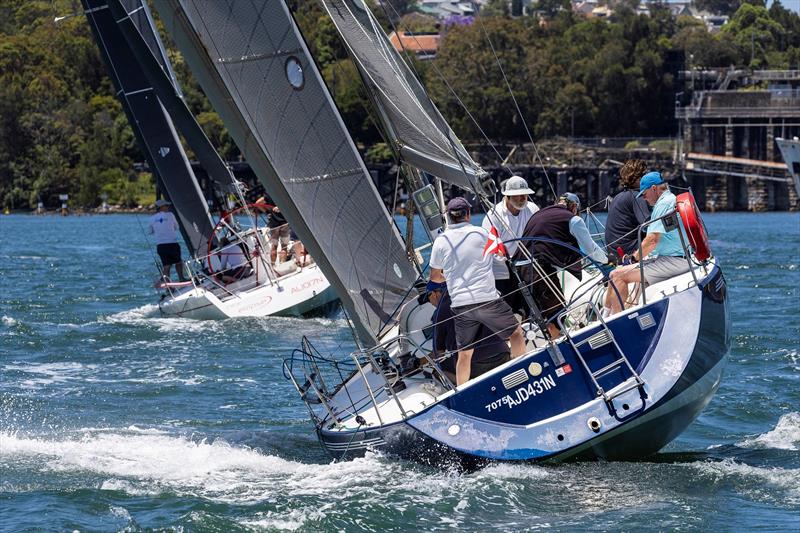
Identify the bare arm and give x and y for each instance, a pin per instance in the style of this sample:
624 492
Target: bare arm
648 245
437 275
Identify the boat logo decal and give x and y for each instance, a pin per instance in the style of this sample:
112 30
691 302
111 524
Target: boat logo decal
163 151
307 285
534 369
523 394
646 321
515 378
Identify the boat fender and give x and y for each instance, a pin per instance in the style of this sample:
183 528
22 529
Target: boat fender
693 223
594 424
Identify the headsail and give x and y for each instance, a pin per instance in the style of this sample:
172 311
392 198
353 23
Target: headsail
419 132
153 128
256 69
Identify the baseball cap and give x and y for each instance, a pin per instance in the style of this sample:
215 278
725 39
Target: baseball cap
516 185
571 198
458 204
161 202
648 180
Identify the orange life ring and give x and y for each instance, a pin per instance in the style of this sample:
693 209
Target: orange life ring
693 224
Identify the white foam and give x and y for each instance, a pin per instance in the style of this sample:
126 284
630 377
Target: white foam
293 520
49 373
755 480
8 321
785 435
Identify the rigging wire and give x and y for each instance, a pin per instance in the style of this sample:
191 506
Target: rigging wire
514 99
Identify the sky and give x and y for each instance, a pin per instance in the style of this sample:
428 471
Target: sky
788 4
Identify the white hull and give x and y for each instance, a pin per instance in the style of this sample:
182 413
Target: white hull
790 149
297 294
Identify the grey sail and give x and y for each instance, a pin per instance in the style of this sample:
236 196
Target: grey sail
419 132
136 25
256 69
153 128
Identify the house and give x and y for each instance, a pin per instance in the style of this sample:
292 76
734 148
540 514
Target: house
424 45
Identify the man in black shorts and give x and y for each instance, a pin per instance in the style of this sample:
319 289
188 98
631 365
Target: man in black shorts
490 351
164 227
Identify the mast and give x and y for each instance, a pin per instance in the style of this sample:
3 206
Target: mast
255 67
153 128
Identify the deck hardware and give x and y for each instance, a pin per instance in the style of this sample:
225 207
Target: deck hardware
535 369
454 430
594 424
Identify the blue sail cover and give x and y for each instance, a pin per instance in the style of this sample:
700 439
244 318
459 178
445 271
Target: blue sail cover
256 69
153 128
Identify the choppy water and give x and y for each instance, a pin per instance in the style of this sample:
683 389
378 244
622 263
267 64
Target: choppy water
112 418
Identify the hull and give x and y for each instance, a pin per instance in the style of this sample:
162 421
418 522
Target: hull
304 293
682 373
790 150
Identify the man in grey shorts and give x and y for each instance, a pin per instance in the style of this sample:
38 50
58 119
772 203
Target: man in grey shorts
459 256
662 249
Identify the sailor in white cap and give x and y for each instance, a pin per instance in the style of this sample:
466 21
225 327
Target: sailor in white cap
164 227
508 218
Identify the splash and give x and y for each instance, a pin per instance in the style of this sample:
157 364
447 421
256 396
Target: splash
771 484
785 435
8 321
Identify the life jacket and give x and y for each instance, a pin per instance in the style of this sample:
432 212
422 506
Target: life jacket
552 222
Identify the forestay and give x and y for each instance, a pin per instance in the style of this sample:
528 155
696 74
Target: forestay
419 132
255 68
153 128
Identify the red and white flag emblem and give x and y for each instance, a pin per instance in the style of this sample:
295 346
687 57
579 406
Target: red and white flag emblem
494 245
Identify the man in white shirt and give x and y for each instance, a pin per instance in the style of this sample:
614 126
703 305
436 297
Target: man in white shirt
233 262
459 257
508 218
164 227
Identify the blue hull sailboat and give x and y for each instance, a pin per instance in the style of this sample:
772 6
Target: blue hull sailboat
620 387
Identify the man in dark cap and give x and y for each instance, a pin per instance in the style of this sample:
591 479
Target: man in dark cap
559 222
459 257
164 227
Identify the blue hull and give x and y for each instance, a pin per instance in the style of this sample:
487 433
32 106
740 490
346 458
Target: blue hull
641 432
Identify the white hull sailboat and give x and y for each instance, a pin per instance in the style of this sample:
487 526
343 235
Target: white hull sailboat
612 388
151 97
790 150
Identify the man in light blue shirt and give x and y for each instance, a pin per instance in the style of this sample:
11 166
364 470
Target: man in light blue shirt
662 254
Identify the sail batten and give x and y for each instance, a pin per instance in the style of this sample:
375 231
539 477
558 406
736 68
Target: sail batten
256 70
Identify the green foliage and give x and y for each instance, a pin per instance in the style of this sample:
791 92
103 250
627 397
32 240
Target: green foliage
63 131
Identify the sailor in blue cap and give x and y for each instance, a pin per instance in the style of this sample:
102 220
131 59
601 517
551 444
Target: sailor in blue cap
459 257
661 249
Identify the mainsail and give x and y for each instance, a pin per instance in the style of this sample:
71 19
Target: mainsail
153 128
417 130
136 25
257 71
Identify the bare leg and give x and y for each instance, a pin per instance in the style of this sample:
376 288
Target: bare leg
555 331
273 252
463 366
517 343
165 270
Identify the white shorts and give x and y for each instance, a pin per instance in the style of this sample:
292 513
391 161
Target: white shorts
663 268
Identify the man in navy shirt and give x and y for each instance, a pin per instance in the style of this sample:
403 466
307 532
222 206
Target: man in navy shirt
627 211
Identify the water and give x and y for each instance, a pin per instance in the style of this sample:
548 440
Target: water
112 418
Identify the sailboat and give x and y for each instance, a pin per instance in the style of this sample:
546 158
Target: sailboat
621 387
152 99
790 150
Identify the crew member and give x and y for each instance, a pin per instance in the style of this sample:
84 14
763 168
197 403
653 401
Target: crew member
490 351
662 250
627 211
559 222
233 261
458 258
508 218
278 232
164 227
